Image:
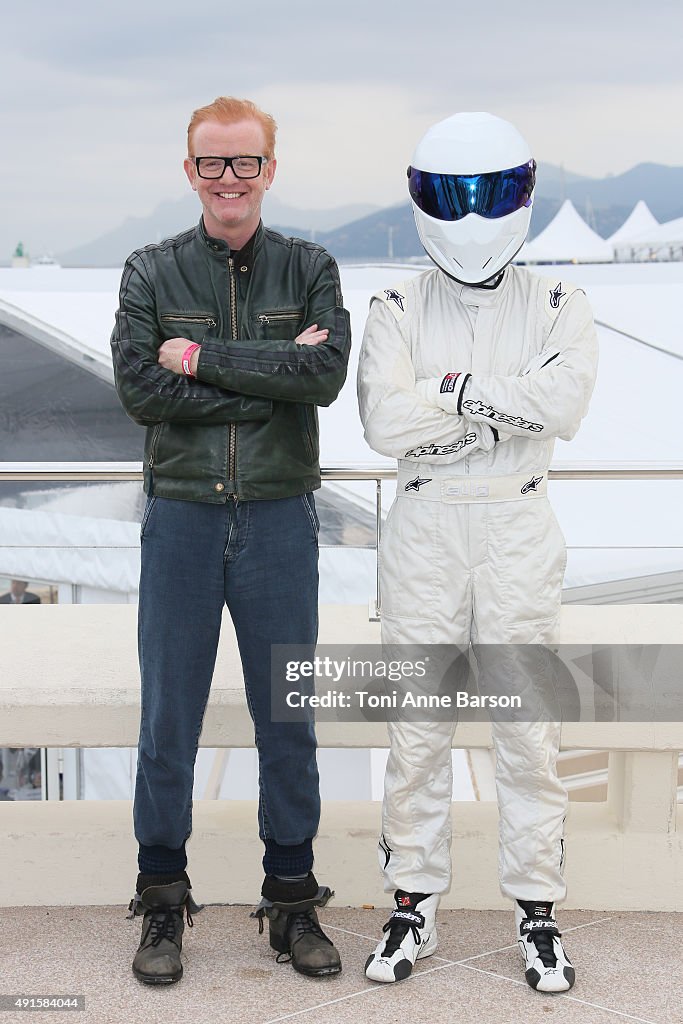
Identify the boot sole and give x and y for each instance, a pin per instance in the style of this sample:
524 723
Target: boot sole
155 979
324 972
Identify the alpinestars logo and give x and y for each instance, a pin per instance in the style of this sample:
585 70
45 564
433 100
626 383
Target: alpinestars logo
416 484
556 294
478 408
385 848
531 485
440 449
411 916
396 297
403 901
534 926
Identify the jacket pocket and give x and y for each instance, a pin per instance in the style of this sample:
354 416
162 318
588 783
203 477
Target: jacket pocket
192 325
308 502
153 444
309 430
145 519
278 323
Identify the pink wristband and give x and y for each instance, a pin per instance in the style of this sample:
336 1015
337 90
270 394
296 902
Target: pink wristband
186 358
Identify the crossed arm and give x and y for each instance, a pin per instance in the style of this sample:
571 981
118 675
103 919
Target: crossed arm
236 379
461 413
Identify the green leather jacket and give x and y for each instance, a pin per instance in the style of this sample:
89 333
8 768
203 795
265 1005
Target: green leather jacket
247 426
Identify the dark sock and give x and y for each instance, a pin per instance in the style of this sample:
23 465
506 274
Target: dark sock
288 861
161 860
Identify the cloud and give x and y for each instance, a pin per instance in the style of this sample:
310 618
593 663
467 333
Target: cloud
101 100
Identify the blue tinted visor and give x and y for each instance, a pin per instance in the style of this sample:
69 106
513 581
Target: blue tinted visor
452 196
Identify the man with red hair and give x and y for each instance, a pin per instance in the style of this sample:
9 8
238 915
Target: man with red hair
227 338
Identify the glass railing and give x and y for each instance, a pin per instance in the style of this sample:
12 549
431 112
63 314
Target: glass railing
69 534
71 530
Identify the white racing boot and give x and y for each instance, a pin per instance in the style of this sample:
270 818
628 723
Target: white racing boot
410 933
547 966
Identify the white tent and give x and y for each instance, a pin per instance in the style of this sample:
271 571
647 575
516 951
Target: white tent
639 220
663 242
567 239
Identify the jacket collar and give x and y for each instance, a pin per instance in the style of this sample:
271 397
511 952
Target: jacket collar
218 247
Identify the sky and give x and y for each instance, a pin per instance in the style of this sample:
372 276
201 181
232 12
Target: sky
96 100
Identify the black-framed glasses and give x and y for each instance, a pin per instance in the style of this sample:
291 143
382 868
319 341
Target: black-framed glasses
241 166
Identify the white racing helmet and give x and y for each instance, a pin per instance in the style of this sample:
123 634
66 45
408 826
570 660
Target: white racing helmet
471 182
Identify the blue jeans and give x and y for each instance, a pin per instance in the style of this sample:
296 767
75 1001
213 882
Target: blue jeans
261 559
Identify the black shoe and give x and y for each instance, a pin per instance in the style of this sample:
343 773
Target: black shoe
157 961
293 924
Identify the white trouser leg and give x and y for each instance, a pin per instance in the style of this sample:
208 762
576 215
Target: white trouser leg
414 851
532 804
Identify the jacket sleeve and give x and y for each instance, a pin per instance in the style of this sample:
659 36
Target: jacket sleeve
397 419
549 398
283 369
148 392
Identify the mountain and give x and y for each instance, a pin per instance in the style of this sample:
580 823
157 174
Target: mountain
661 187
556 179
112 248
604 203
365 232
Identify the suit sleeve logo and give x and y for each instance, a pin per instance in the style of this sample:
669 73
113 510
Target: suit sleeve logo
478 408
425 450
394 296
556 294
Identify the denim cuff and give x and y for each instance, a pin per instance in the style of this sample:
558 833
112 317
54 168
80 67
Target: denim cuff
288 860
160 860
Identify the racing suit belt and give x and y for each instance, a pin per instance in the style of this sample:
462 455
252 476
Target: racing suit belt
472 489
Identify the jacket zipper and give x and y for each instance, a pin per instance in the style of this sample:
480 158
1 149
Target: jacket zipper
232 457
208 320
153 446
267 318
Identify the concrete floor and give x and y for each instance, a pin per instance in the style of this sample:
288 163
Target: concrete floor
629 968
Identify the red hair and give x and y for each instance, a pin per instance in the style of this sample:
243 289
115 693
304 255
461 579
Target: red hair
229 110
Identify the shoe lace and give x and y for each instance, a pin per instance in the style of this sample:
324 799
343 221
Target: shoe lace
398 929
163 923
304 923
543 940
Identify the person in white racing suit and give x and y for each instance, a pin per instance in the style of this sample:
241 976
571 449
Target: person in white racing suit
467 374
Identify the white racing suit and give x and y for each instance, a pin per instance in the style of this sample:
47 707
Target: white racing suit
468 388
